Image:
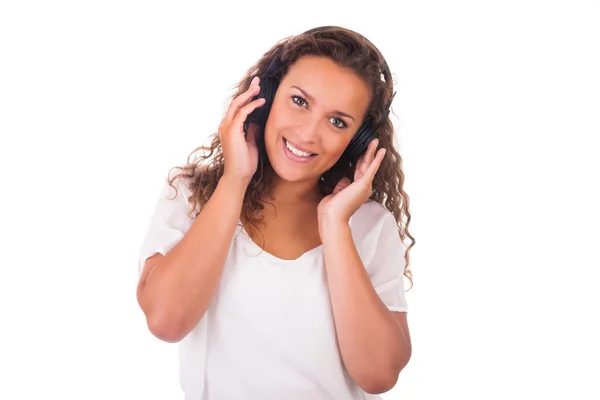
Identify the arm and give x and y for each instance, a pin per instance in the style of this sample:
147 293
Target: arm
374 342
175 290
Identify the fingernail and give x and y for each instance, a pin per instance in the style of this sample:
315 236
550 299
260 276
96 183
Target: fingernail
254 80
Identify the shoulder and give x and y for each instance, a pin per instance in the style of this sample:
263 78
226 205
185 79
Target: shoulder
175 189
177 184
174 201
169 220
371 218
372 226
374 231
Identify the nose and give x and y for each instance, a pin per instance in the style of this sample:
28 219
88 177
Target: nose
307 131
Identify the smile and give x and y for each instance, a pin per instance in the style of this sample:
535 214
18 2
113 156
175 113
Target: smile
295 154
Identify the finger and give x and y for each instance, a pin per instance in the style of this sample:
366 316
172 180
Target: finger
359 165
369 155
245 111
362 160
243 99
372 170
372 150
341 185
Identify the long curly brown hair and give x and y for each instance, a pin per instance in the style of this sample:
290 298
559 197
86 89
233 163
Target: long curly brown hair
205 164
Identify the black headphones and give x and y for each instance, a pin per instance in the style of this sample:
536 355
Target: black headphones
269 83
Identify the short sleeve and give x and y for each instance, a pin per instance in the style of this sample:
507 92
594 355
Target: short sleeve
168 223
385 266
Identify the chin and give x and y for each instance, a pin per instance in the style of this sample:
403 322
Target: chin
293 176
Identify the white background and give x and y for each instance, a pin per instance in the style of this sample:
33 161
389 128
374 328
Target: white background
497 115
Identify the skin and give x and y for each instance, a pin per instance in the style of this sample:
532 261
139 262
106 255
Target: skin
175 290
374 342
311 123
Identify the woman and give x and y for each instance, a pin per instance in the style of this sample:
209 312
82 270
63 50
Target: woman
278 264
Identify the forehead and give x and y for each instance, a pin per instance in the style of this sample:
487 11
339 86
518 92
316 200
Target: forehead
331 85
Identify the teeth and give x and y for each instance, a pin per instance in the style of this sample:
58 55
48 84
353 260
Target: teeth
296 151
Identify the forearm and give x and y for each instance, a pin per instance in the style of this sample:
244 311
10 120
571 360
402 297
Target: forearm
372 343
182 284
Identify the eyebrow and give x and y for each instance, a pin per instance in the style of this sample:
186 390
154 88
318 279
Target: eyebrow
342 114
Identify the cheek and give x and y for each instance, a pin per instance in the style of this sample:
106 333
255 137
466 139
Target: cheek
334 144
275 122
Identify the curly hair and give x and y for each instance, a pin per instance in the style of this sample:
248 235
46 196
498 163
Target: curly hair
205 164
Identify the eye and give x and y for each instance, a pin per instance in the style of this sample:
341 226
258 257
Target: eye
299 101
338 123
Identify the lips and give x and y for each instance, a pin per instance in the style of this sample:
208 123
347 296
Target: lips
293 157
299 148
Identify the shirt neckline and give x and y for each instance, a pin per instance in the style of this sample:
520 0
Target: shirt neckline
316 251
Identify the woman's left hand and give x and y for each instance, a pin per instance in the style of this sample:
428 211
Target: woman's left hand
348 196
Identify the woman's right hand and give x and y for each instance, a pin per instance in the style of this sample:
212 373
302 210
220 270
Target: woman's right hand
240 152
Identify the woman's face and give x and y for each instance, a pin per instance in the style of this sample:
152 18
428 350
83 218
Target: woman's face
317 109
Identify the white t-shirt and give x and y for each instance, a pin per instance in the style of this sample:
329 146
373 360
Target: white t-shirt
269 331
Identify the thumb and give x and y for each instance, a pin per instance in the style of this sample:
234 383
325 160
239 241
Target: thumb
341 185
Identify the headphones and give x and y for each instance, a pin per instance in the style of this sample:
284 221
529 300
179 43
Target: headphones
269 83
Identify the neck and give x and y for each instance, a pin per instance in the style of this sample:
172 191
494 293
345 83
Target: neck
295 192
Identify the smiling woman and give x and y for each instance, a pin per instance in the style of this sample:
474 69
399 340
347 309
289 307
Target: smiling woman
304 159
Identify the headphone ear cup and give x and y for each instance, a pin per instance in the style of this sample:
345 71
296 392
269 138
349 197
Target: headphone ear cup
359 143
268 88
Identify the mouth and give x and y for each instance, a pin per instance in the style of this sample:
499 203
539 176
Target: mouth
296 154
